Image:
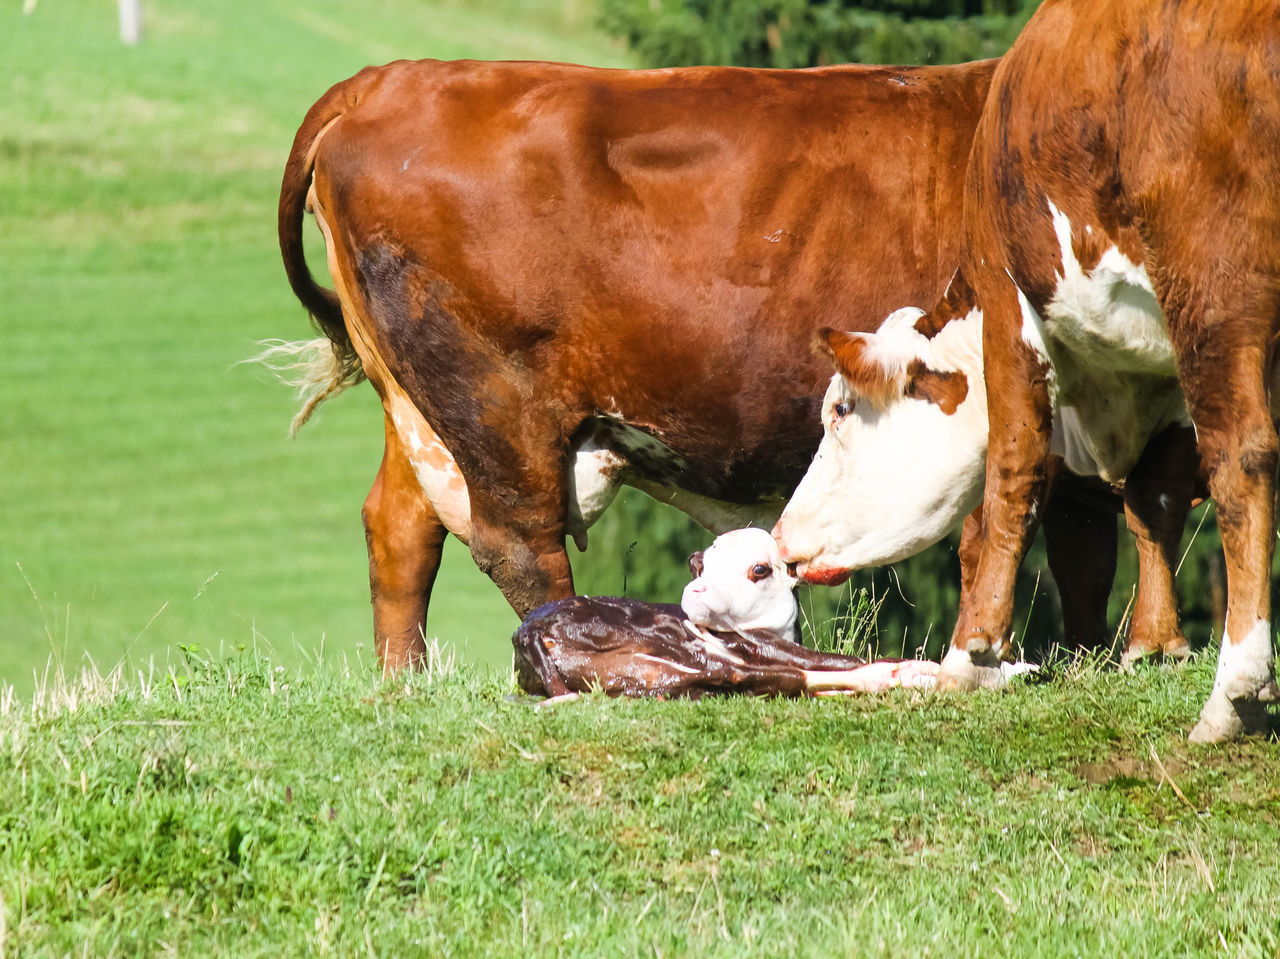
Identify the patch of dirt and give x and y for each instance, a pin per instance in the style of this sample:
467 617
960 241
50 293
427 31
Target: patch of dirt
1129 768
1089 846
686 784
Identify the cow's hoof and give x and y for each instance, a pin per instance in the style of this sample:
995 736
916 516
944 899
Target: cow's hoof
1134 655
963 672
1175 651
1223 720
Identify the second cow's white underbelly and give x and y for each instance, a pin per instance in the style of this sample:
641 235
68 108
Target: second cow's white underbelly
1115 380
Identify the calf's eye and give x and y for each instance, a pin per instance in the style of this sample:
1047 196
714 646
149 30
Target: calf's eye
759 571
841 410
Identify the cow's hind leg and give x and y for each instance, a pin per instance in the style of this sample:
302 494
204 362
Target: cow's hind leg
1223 378
519 514
526 560
1157 497
405 538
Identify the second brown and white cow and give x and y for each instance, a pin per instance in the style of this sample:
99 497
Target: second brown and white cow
1123 241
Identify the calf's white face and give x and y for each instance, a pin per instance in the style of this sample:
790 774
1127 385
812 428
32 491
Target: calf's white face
741 583
903 454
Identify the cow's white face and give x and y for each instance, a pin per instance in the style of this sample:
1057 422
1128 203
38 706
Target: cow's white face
740 583
903 456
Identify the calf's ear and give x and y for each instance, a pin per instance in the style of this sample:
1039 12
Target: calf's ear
869 373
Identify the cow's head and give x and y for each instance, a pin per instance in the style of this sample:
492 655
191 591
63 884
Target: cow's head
903 455
741 583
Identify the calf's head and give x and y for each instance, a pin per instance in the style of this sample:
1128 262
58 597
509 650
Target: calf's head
741 583
903 453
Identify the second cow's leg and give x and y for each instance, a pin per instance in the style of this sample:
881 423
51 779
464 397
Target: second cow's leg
1080 543
1227 396
1157 498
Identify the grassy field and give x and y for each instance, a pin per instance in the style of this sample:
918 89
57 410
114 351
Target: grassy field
258 792
148 496
238 807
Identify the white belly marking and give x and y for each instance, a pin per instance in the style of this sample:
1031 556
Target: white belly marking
1114 377
433 465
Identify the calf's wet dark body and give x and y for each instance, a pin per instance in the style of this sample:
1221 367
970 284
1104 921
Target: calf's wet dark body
630 648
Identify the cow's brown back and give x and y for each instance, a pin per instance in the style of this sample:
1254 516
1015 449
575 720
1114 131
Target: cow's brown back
654 245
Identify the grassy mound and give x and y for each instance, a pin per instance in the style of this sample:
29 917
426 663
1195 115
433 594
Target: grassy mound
234 806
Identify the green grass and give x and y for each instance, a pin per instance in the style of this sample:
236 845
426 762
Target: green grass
263 801
148 496
237 807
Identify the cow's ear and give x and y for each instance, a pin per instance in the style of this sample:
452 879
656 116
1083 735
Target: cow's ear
957 302
960 298
869 372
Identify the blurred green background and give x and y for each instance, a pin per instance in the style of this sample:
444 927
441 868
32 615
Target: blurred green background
148 496
148 493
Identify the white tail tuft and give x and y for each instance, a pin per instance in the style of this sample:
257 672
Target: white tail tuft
316 369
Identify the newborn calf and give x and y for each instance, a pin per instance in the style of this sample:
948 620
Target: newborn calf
734 632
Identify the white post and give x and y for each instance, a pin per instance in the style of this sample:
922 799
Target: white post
130 21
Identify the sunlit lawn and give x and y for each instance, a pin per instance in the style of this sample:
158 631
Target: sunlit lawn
148 496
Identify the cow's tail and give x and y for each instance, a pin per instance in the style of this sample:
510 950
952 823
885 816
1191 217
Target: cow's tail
323 367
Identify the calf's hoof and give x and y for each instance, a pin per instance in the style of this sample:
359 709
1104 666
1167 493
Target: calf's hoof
552 701
965 671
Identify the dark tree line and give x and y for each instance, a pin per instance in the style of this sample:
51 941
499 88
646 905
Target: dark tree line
797 33
639 546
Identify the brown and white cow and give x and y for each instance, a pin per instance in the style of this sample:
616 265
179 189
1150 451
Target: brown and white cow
903 460
1123 240
560 279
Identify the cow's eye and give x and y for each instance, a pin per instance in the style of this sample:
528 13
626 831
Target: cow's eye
841 410
759 571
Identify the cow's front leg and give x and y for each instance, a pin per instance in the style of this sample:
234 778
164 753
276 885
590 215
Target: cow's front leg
1157 497
1017 473
405 538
